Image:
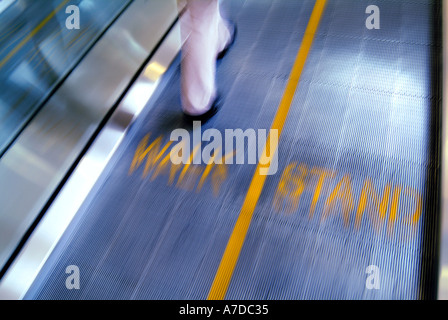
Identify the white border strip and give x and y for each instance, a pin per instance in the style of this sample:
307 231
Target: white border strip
443 265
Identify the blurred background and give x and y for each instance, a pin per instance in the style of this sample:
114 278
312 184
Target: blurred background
86 85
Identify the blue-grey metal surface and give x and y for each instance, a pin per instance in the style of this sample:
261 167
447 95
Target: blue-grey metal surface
25 267
42 156
31 67
365 112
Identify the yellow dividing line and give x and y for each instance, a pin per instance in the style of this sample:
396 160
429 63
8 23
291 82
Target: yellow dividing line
32 34
228 262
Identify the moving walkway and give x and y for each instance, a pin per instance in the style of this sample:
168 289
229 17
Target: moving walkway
353 209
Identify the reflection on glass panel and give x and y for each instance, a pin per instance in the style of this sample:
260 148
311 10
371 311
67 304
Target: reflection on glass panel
39 43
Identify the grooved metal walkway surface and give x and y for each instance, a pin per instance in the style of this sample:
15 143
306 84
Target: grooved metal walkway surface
354 201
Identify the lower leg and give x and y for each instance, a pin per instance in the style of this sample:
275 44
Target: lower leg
205 34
